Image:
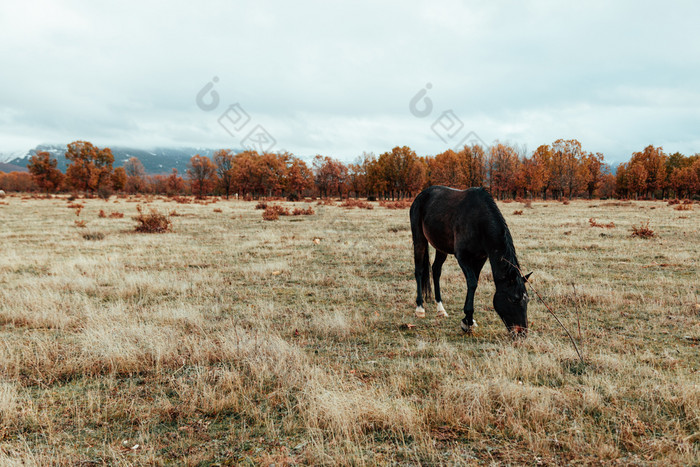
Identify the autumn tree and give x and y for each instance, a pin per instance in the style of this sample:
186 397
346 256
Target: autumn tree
375 184
43 169
621 181
174 184
223 159
566 158
201 172
446 169
244 171
504 166
17 181
135 176
607 185
532 175
542 167
90 167
685 175
299 178
472 160
592 171
653 160
330 175
403 172
271 172
118 179
637 179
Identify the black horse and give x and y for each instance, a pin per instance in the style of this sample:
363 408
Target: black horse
467 224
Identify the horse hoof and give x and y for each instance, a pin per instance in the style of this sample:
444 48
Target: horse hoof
420 312
466 328
441 313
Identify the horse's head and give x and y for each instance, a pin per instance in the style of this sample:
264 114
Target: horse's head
510 302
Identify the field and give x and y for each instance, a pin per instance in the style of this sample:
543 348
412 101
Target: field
235 340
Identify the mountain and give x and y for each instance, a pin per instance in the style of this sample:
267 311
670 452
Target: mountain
11 168
160 160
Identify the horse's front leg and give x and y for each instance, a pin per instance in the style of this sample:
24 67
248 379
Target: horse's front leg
472 282
471 272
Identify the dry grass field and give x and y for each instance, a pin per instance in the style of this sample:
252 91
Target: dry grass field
239 341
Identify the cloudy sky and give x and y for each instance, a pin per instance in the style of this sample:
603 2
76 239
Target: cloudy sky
341 78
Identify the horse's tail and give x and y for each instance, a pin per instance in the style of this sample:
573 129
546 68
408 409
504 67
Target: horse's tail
420 248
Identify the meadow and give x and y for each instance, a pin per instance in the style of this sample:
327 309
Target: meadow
238 341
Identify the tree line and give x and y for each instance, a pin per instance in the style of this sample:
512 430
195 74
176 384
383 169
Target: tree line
558 170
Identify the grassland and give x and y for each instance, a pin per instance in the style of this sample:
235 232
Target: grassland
235 340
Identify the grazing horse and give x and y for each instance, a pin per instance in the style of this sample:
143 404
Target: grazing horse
467 224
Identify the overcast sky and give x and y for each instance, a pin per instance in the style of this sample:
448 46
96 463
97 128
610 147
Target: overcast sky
338 79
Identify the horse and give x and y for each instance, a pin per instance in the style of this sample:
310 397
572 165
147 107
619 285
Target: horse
468 225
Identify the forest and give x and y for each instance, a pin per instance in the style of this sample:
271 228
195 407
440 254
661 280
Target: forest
560 170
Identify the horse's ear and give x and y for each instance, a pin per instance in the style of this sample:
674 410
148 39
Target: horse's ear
527 276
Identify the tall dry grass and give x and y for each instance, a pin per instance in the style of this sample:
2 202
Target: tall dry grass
236 340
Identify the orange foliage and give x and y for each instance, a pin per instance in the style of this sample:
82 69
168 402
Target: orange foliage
202 174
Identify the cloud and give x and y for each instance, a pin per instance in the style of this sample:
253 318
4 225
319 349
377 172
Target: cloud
337 78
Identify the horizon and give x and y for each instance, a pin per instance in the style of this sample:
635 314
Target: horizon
271 76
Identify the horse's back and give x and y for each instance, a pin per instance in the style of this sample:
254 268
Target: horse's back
447 215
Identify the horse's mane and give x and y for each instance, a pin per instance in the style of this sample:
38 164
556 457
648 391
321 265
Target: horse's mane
509 259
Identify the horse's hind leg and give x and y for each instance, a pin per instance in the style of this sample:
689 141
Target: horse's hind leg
437 271
421 258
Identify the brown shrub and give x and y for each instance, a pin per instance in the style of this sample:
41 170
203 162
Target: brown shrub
595 223
174 213
102 214
274 211
270 214
303 212
218 210
182 199
116 215
671 202
518 213
684 207
565 201
325 202
75 206
153 222
643 231
402 204
356 203
81 224
261 205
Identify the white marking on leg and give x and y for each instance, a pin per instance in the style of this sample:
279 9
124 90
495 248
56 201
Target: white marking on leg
420 312
474 325
441 313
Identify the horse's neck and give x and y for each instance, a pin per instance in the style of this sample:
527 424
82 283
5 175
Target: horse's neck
500 270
